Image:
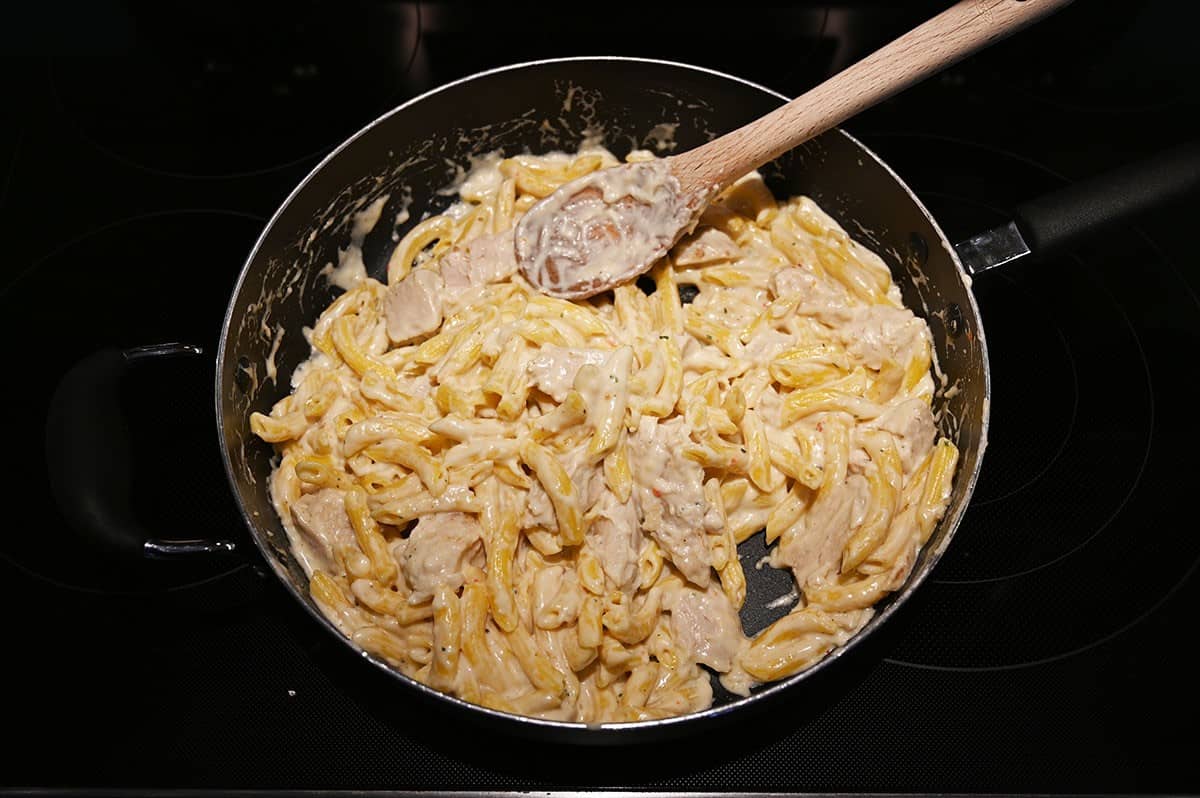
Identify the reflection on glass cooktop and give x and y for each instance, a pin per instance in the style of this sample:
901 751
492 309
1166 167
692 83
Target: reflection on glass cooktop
1046 654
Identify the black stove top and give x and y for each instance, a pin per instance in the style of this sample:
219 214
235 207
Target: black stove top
142 152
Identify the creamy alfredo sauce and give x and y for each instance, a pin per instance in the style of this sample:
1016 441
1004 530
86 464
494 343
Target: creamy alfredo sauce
535 504
602 229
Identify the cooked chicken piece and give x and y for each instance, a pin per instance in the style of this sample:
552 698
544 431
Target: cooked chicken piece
912 424
493 257
484 260
553 368
878 333
814 551
705 624
413 306
616 539
436 551
707 245
669 490
826 298
323 526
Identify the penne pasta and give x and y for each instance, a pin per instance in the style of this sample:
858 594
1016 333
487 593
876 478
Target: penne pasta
536 504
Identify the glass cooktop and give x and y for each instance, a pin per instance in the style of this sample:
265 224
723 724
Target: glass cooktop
142 153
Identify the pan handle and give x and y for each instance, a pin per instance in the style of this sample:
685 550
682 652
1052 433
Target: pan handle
87 454
1049 224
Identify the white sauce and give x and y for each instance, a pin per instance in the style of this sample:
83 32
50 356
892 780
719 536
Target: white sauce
602 229
351 270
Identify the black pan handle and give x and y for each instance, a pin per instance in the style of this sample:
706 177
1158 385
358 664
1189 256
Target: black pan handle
1050 224
88 457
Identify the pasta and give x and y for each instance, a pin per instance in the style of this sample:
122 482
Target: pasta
535 504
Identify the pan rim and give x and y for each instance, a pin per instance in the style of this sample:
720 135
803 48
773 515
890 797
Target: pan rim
609 732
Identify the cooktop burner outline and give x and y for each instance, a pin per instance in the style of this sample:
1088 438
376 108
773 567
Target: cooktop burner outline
984 641
1101 84
124 141
962 178
116 592
979 498
1125 498
1100 641
79 238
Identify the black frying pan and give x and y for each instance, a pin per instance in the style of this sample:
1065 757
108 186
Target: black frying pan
409 154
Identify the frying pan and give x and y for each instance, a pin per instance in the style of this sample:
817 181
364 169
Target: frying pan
413 153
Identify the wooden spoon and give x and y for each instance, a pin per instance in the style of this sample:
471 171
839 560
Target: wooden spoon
608 227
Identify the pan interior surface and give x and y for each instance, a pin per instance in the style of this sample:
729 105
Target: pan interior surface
406 164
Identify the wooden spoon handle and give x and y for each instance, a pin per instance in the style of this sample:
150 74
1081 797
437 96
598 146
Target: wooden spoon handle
955 33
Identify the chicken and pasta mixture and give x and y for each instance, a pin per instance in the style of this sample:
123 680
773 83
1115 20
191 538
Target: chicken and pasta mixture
535 504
